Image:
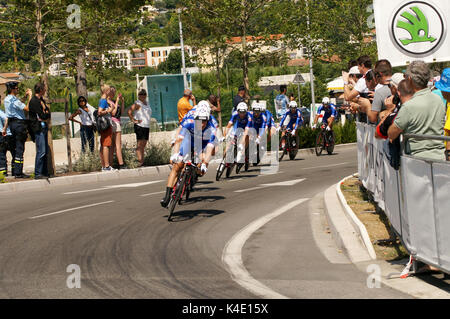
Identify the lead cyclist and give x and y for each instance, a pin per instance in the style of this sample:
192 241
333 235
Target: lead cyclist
201 126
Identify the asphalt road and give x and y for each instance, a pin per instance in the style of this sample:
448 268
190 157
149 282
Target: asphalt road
120 238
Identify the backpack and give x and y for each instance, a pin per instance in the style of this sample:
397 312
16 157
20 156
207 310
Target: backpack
102 122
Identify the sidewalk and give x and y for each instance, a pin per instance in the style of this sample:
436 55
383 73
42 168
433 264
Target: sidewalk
351 237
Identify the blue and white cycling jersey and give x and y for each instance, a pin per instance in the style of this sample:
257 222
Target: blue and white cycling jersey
329 112
190 115
260 122
189 135
242 123
295 119
270 120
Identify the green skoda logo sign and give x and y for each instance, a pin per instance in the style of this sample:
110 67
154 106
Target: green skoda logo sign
418 28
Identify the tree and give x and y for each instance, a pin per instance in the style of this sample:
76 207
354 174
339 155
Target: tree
173 64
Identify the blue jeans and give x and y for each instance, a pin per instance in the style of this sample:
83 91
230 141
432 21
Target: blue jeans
42 149
87 137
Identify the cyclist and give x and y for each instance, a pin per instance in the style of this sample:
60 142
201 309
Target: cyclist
291 120
185 144
240 122
260 120
329 113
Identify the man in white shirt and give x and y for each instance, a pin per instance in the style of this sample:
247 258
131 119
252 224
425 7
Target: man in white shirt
364 66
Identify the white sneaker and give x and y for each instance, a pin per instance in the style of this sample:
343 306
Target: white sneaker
108 169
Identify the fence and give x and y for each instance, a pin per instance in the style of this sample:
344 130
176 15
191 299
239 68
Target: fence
415 198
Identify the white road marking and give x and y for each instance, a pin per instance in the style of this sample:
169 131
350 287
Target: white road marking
132 185
286 183
232 254
145 195
71 209
235 180
325 166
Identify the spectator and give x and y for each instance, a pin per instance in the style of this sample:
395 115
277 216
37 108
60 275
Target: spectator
214 103
291 97
444 87
383 75
105 110
365 99
87 125
281 101
140 114
404 93
6 144
118 107
364 66
240 97
184 105
424 114
14 109
39 114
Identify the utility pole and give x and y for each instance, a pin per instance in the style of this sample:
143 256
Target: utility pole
311 73
182 50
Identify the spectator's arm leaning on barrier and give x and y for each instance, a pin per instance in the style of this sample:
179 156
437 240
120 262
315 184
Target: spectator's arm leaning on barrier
394 132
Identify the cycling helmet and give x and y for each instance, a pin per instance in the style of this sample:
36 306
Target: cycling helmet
203 111
257 107
326 100
242 107
293 105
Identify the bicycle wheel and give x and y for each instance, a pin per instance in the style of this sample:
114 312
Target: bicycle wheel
293 151
284 151
330 147
239 167
220 171
319 144
229 170
177 196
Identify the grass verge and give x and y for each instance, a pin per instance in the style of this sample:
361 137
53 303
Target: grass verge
375 221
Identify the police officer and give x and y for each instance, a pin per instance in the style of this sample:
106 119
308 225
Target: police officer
6 144
14 109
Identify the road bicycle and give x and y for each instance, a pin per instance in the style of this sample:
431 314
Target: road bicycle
325 140
183 187
291 145
224 166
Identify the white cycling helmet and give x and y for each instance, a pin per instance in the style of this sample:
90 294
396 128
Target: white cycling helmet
257 107
326 100
203 111
293 105
242 107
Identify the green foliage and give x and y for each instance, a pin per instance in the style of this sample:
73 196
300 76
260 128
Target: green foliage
173 64
157 154
129 157
88 162
343 134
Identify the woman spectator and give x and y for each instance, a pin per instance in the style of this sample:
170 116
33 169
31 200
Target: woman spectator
106 135
116 127
140 114
87 129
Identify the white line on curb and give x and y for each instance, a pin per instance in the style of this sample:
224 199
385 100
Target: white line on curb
232 254
71 209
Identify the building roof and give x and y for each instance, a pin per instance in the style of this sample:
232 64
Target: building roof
11 76
237 40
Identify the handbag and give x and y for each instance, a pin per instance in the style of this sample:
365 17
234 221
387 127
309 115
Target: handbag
102 122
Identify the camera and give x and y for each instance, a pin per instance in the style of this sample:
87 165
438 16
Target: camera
396 100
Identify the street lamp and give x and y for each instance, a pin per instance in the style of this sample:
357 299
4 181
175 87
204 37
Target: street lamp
182 50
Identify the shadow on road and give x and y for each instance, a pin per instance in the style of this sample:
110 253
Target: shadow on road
204 182
205 189
184 215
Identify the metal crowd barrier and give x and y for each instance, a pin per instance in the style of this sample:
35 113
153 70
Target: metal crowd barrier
416 198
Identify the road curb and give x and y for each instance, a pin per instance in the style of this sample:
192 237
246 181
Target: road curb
344 234
357 224
109 176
